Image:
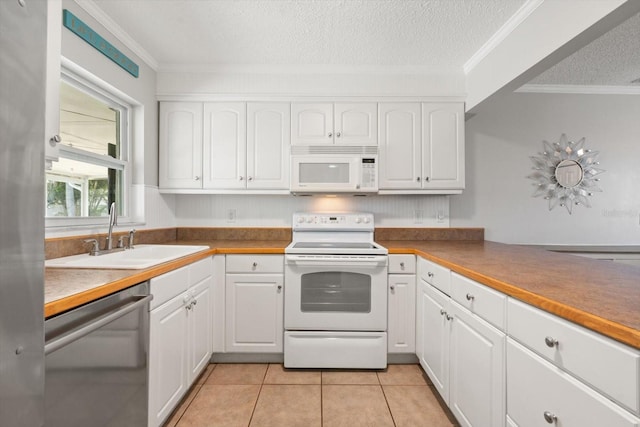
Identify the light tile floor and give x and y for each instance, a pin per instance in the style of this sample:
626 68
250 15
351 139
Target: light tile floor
266 395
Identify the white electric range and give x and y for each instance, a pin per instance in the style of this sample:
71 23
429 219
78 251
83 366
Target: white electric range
335 293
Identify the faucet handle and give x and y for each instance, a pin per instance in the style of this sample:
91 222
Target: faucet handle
132 232
121 241
96 248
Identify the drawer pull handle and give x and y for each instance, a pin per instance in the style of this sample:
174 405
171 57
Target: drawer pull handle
549 417
470 297
551 342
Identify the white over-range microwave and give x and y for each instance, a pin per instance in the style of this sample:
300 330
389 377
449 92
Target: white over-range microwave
334 173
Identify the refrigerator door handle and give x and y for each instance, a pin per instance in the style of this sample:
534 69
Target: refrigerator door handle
97 323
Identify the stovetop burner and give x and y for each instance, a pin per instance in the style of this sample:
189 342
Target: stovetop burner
334 234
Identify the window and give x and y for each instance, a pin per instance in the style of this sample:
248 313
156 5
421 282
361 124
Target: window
93 166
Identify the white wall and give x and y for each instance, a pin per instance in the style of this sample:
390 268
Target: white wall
507 131
276 211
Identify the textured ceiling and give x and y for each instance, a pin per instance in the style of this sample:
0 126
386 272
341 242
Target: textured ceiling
611 60
430 35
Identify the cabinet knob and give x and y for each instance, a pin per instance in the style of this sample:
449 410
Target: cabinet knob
470 297
418 179
55 139
197 178
551 342
402 265
240 178
430 274
254 265
442 312
392 287
338 135
550 417
330 135
426 178
447 316
279 287
250 178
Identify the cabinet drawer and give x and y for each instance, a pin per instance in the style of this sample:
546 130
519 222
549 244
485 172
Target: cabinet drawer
610 367
480 300
255 264
435 274
402 264
168 285
200 270
536 387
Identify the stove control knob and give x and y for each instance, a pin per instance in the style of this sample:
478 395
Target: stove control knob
367 220
300 219
358 220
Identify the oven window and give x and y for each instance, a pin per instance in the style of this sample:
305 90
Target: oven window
335 291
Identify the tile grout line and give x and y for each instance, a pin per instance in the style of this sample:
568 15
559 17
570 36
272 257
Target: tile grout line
255 405
199 388
393 420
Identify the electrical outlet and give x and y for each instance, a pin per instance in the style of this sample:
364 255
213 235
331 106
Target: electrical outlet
418 217
231 215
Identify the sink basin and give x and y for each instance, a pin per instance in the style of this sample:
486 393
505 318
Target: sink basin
141 256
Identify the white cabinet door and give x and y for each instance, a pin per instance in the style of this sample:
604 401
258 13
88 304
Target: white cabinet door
167 359
254 313
180 145
443 146
268 140
52 100
434 329
311 123
537 390
400 146
199 328
477 379
224 149
356 123
402 313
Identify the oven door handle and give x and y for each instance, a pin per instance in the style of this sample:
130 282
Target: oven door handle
368 262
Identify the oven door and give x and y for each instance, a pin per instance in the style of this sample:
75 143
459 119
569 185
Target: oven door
336 293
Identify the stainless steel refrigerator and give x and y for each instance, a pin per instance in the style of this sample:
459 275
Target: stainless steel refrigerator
23 29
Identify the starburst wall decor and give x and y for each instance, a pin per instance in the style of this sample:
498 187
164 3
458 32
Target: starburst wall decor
565 173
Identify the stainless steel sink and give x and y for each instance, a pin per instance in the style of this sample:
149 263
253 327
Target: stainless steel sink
142 256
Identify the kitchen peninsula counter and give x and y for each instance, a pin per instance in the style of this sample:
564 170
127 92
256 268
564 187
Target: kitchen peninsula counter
599 295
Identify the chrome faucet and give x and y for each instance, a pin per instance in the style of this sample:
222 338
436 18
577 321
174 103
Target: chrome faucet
113 220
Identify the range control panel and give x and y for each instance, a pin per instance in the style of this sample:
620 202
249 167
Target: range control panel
332 221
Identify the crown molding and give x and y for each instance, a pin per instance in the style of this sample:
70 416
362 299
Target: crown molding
580 89
99 15
512 23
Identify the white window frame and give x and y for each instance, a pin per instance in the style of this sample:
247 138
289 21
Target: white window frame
92 85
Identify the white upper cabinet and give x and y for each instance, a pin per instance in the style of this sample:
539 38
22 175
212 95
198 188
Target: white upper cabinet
340 123
443 146
52 100
268 141
224 148
421 147
400 146
180 145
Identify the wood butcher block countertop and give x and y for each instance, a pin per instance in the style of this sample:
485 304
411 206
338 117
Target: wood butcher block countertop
599 295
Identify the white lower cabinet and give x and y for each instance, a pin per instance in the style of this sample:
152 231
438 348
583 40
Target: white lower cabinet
539 394
463 355
401 300
180 335
254 293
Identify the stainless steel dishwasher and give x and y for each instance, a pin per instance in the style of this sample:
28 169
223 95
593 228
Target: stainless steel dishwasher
96 362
